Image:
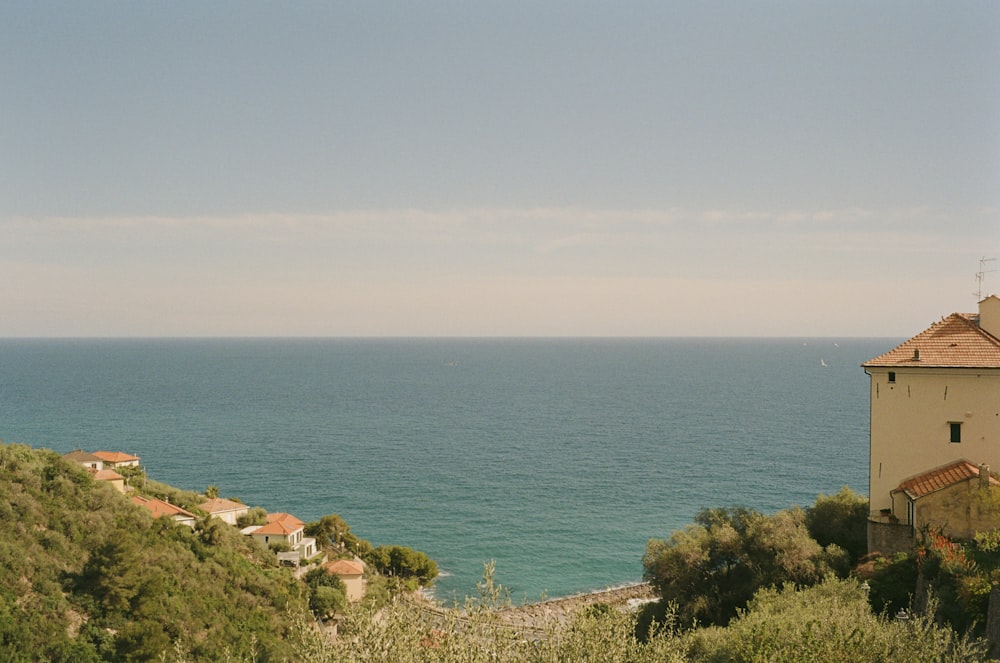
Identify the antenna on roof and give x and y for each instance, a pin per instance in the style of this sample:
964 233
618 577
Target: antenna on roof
980 274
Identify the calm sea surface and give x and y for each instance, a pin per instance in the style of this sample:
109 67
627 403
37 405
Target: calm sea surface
558 458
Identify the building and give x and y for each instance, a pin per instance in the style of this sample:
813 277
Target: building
116 459
935 426
226 510
110 476
284 528
352 574
85 458
161 509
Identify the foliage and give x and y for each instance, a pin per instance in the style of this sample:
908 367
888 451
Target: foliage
832 623
327 593
85 575
713 567
892 582
840 519
185 499
403 562
254 516
332 531
827 623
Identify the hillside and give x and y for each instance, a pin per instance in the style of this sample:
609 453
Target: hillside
85 575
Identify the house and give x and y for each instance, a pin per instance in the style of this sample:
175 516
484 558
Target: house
112 477
947 497
161 509
284 528
115 459
935 404
352 574
85 458
226 510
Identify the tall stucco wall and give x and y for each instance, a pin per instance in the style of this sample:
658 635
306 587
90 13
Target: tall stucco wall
911 417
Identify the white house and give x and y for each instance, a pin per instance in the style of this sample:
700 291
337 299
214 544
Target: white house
284 528
226 510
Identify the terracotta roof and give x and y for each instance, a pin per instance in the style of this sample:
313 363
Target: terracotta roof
956 341
221 505
81 456
345 567
939 478
281 523
160 508
105 475
115 456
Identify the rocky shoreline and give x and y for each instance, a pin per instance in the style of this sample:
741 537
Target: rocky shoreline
559 609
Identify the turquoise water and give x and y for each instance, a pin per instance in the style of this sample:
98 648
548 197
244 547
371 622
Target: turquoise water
558 458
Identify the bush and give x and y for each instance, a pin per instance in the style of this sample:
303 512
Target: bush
841 520
830 622
712 568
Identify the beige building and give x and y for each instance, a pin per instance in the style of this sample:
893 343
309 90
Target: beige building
109 476
935 401
225 510
161 509
352 574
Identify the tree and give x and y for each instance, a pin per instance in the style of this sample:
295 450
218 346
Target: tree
713 567
327 593
254 516
212 492
332 531
841 519
404 562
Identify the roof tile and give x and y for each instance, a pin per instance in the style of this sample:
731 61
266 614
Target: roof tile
956 341
940 478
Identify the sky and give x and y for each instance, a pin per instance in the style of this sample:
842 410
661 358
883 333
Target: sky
509 168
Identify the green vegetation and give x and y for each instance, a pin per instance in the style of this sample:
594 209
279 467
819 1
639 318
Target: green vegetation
87 576
712 568
412 566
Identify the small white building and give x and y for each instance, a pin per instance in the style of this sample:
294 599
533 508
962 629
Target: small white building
284 528
226 510
115 459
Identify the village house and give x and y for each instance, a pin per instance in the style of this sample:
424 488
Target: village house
112 477
226 510
161 509
352 574
935 430
116 459
85 458
284 528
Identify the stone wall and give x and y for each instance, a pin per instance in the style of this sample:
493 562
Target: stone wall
889 538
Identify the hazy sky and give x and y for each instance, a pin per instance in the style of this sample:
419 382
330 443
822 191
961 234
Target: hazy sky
505 168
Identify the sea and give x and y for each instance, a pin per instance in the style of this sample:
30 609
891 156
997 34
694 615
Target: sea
557 459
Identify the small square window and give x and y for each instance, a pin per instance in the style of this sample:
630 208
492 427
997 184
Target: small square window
892 376
956 432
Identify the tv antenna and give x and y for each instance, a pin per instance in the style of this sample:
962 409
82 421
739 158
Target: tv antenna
980 275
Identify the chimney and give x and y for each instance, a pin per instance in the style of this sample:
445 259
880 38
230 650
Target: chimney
984 476
989 315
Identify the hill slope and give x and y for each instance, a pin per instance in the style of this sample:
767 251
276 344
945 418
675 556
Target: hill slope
85 575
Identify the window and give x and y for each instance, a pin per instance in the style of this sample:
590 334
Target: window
956 432
892 376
